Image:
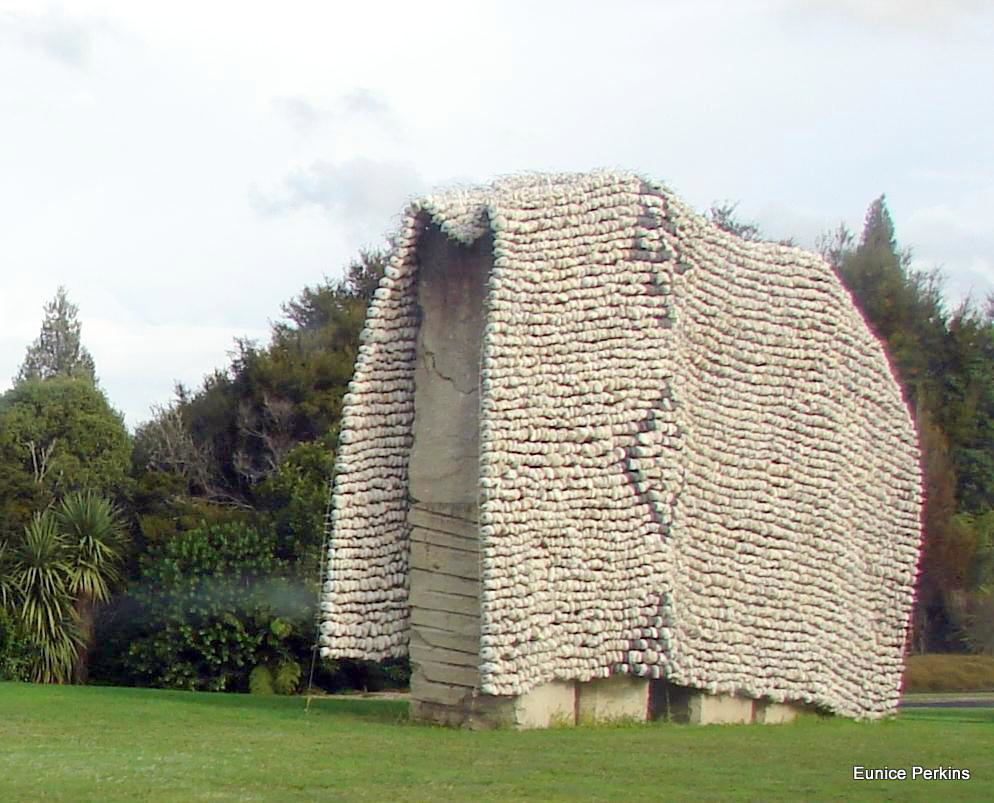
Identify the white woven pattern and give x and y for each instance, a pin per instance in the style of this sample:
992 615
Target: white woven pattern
695 462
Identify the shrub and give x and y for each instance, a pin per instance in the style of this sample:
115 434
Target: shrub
214 603
16 650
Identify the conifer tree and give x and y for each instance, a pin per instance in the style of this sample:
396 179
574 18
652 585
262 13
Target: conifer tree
58 351
905 309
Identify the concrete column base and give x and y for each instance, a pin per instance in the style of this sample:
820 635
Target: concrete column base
546 705
692 706
618 697
719 709
613 698
774 713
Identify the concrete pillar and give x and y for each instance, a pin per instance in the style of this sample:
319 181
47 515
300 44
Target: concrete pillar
616 697
719 709
768 713
443 485
546 705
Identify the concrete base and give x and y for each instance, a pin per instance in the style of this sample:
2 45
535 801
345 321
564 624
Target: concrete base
616 697
546 705
479 712
719 709
549 705
613 698
774 713
682 704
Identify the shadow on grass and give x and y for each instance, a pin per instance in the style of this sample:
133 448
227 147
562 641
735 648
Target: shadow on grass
976 716
391 711
283 707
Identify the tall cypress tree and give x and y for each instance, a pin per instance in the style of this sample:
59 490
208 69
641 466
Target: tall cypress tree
58 351
905 309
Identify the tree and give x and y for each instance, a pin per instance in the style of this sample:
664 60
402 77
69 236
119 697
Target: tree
56 436
40 570
95 540
944 371
903 306
58 350
723 216
238 441
64 563
7 587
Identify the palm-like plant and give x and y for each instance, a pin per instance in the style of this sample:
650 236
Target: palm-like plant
39 568
94 535
8 589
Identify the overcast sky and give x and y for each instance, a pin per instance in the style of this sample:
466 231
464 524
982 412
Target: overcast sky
185 168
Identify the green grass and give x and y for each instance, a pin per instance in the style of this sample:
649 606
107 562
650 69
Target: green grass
93 743
948 672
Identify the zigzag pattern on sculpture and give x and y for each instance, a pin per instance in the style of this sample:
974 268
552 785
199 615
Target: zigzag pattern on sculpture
695 462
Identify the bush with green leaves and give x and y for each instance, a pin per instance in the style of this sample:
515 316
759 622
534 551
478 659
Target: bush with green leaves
17 653
214 603
294 497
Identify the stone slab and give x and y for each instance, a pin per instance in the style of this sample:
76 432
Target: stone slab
445 455
546 705
719 709
441 601
616 697
443 560
422 579
775 713
457 623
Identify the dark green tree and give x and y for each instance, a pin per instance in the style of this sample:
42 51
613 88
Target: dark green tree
259 436
57 435
58 351
905 309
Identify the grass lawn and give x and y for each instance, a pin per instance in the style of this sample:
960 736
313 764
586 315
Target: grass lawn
92 743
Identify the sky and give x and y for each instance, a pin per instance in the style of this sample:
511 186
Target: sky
184 169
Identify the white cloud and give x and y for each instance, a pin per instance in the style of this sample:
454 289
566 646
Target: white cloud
142 362
362 195
928 17
956 236
55 34
358 106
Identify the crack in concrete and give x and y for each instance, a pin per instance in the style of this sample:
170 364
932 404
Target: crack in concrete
433 366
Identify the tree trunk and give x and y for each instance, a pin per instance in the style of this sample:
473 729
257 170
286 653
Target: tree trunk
85 614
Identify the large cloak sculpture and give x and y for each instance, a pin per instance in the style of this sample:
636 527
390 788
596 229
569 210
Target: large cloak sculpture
591 434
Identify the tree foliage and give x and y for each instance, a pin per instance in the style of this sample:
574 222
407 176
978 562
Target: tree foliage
214 603
58 350
259 436
65 562
57 435
95 535
944 363
41 571
16 650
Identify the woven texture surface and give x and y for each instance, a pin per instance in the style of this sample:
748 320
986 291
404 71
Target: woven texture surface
695 462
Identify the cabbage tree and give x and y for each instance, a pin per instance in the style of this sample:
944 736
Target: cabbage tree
40 568
94 535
